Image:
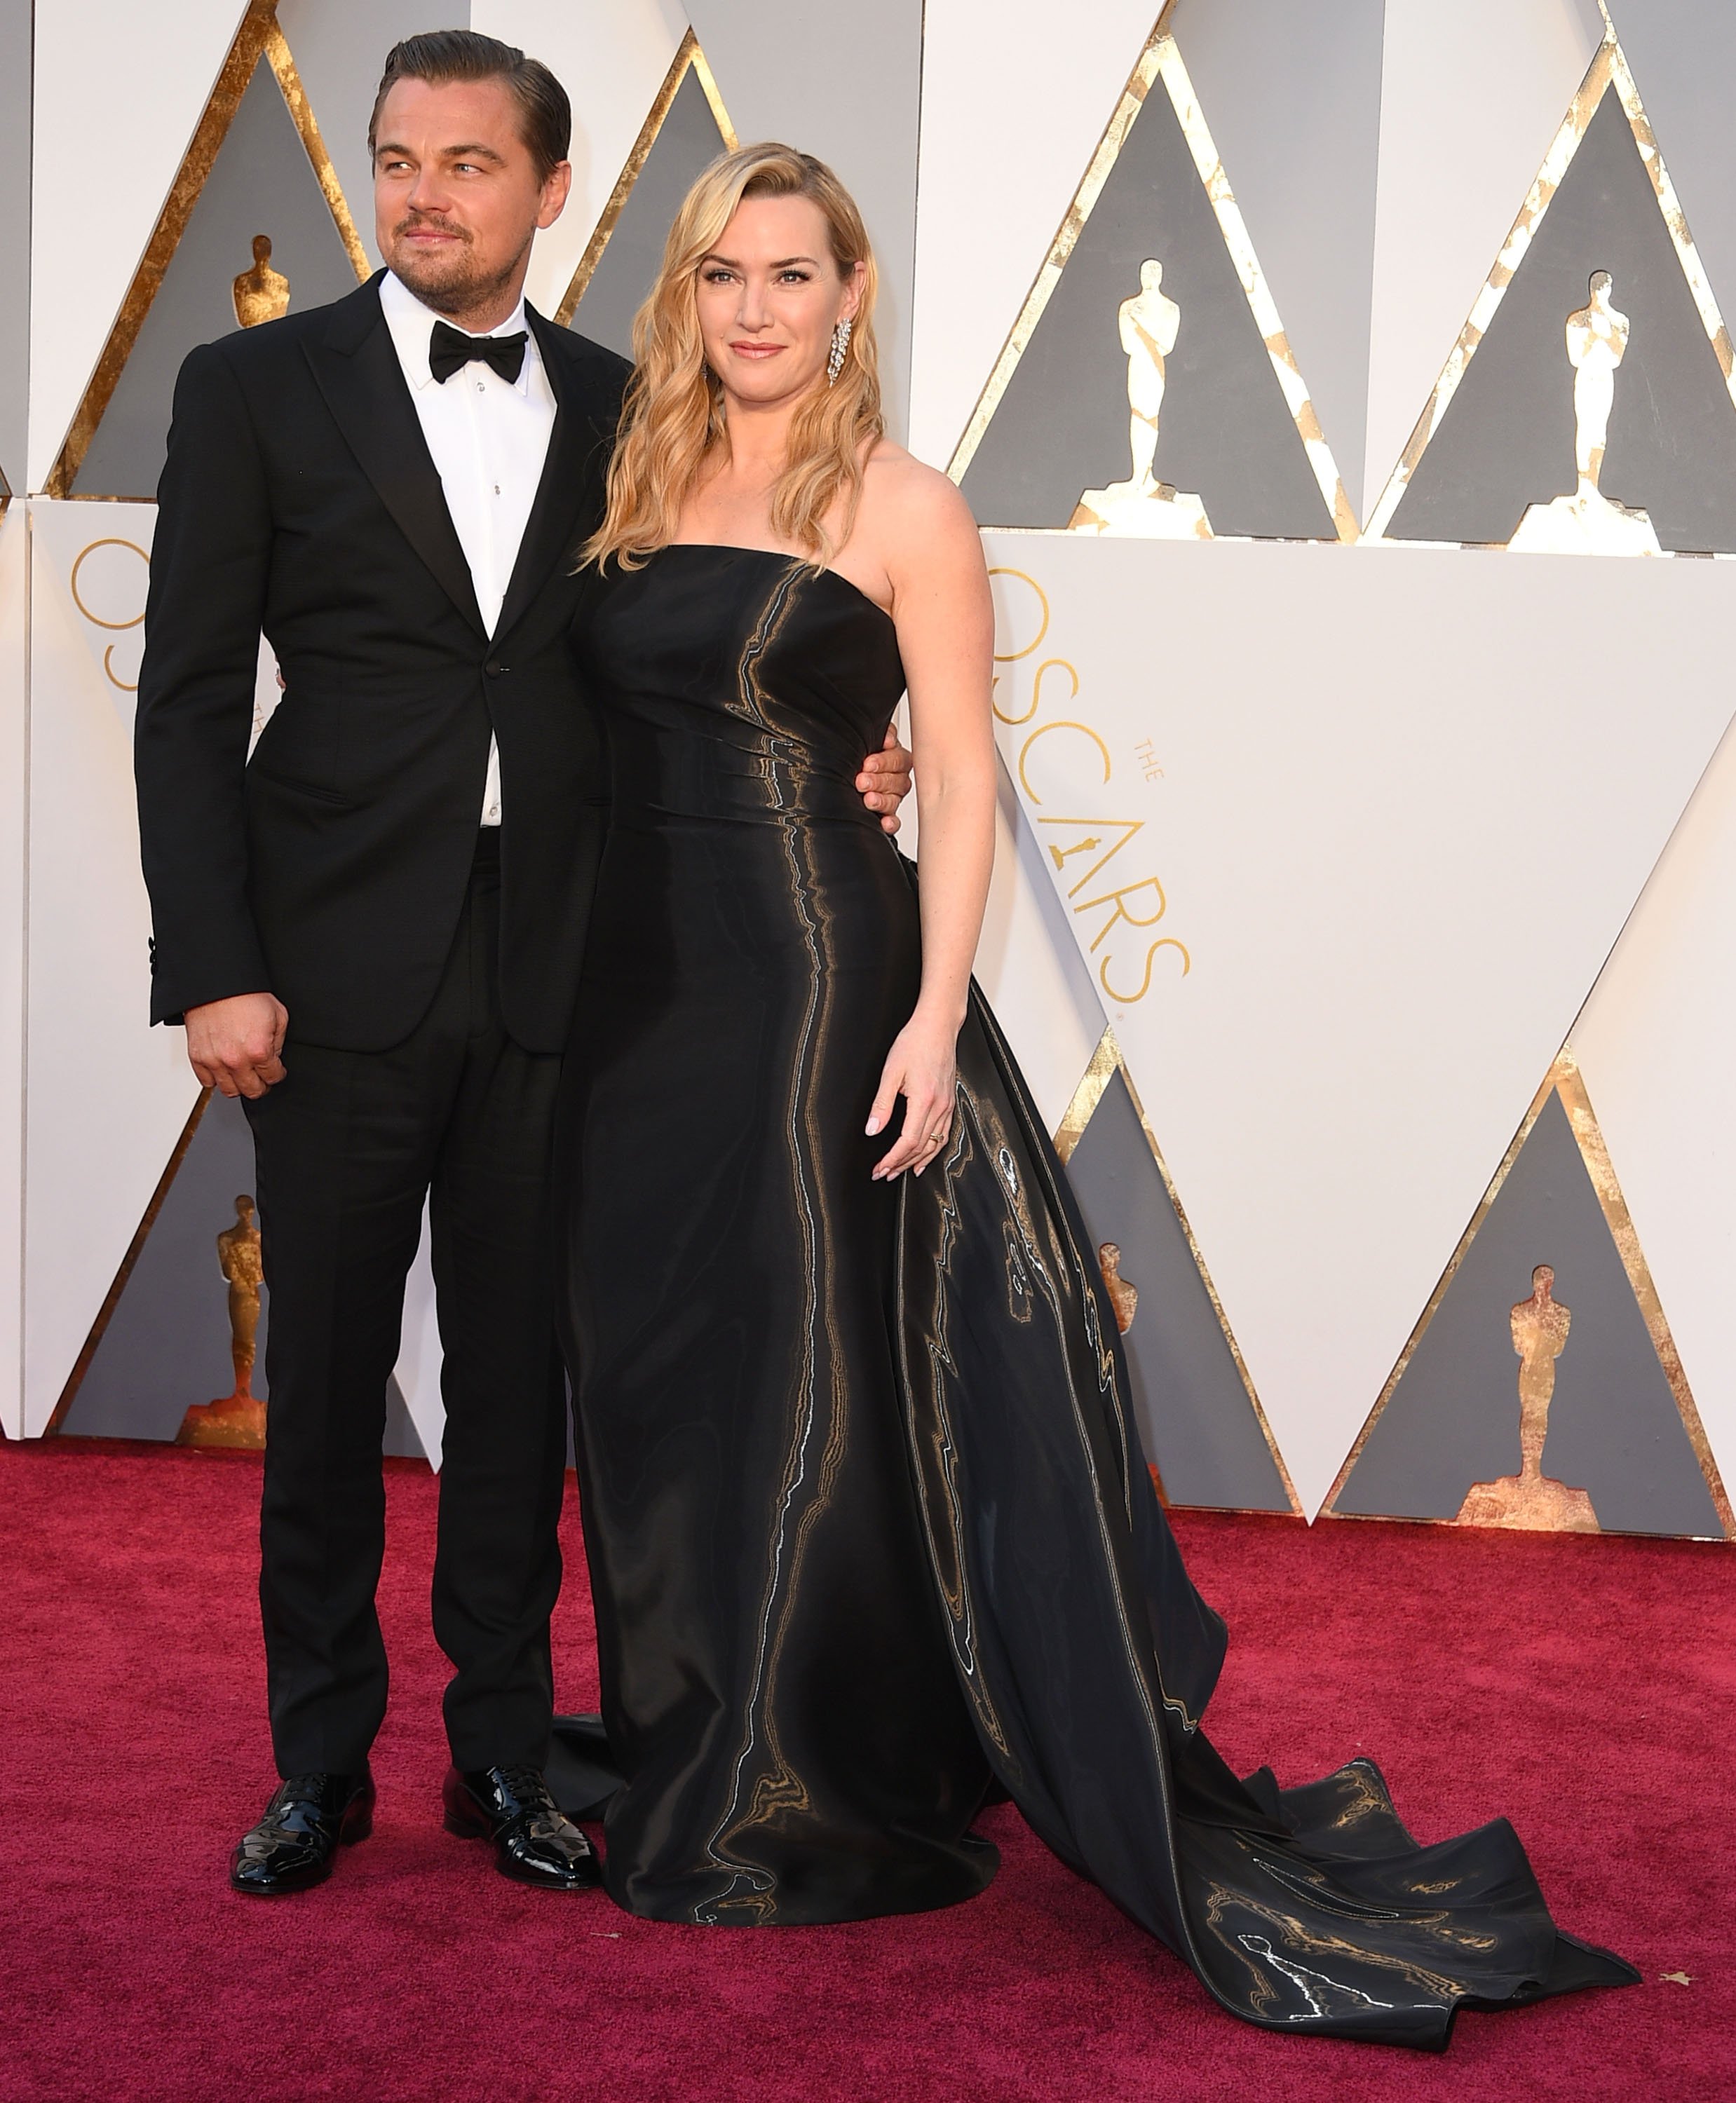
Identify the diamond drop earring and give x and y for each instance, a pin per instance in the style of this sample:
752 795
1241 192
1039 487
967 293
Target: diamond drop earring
840 346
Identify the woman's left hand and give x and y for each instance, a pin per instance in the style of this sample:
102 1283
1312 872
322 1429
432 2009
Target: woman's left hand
921 1067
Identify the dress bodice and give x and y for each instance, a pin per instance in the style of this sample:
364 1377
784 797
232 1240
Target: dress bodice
738 682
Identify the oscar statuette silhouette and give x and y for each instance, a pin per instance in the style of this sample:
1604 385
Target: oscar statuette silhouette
237 1419
1532 1500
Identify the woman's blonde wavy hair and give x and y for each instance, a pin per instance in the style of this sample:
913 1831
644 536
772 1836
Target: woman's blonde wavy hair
672 417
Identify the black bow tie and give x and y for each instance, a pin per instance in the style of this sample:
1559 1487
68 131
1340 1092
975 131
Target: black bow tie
450 350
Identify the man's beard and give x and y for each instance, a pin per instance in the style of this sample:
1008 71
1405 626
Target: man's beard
450 283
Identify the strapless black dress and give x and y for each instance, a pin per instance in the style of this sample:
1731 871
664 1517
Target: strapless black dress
869 1529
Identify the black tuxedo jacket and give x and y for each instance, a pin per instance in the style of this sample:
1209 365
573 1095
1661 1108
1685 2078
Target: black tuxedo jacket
300 497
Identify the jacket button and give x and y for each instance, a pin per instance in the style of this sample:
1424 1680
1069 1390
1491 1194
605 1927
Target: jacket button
494 669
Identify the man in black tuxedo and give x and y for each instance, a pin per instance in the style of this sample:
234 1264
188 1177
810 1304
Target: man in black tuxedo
372 928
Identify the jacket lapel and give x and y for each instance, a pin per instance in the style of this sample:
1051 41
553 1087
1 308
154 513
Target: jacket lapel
570 475
357 371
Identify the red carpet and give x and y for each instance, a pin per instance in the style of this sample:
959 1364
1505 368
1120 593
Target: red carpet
1583 1686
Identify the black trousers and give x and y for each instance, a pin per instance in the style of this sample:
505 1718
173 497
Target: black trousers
349 1144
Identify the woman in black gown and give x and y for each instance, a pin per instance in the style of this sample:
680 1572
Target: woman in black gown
868 1526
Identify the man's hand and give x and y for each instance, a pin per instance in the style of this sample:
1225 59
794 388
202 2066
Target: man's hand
234 1044
885 780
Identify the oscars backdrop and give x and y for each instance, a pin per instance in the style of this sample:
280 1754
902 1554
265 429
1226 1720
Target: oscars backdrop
1347 403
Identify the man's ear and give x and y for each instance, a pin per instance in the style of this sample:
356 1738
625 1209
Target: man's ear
556 187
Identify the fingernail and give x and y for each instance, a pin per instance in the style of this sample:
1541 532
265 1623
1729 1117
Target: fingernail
872 1127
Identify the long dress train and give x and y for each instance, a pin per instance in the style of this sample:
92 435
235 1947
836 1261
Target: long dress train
866 1517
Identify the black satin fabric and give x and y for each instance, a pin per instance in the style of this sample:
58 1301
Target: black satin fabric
776 1676
867 1520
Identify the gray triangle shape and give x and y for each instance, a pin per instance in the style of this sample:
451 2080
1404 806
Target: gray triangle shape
1225 434
262 182
686 145
400 1440
1194 1416
1507 438
1453 1418
167 1343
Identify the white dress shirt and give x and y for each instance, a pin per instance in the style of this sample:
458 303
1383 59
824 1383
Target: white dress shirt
489 437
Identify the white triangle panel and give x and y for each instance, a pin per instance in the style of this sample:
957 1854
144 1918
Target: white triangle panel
1015 96
611 60
1470 97
14 745
1654 1049
108 1096
417 1371
1390 809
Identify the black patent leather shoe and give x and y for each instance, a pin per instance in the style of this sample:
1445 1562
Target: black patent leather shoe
534 1842
311 1817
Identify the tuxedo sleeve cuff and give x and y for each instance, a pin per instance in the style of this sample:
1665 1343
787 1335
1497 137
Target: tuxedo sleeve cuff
173 993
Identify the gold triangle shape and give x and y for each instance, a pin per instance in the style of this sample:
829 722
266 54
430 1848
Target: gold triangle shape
259 37
688 58
1609 67
1564 1078
1107 1061
1160 64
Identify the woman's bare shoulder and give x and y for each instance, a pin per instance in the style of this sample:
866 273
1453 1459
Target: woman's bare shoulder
903 497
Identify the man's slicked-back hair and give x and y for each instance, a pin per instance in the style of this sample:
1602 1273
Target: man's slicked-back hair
440 55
